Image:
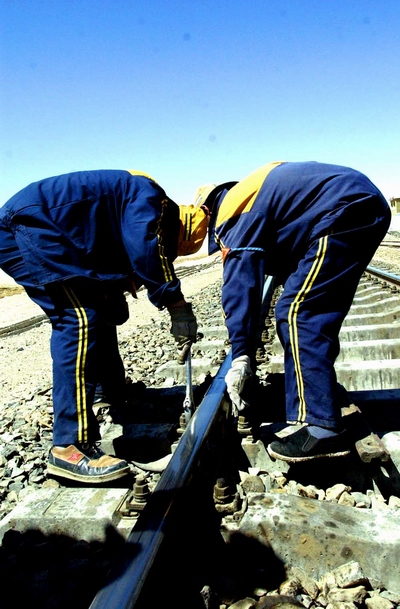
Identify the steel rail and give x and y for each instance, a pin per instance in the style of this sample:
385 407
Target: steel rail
127 578
23 326
390 244
33 322
129 573
390 277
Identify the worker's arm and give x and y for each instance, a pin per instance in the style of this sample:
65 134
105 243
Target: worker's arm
243 276
241 301
150 233
149 223
183 327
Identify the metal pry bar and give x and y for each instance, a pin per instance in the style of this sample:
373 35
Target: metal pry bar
188 403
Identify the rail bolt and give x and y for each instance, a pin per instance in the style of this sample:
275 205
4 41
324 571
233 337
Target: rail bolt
140 490
260 355
243 426
182 423
223 492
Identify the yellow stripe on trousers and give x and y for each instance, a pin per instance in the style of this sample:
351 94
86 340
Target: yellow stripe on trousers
292 322
82 348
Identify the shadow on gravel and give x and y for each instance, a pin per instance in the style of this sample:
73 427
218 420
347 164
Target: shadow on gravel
57 571
196 567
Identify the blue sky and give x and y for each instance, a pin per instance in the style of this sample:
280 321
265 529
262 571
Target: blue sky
195 91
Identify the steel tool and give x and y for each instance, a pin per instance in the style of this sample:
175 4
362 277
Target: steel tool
188 402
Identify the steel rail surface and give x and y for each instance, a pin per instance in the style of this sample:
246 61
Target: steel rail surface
23 326
390 244
394 279
127 578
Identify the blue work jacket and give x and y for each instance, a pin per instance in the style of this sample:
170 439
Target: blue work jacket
265 224
102 225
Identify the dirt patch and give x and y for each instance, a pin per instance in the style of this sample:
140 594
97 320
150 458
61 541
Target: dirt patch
10 290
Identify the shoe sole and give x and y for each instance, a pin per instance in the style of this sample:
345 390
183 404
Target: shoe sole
62 473
275 455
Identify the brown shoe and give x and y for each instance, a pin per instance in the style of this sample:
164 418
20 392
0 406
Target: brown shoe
85 463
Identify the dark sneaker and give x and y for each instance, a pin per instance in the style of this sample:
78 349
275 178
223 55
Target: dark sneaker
85 463
302 446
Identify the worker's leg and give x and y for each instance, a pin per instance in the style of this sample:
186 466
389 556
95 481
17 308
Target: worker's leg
73 348
111 371
314 303
84 351
74 352
309 315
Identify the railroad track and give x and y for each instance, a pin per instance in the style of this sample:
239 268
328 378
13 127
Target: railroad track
36 320
387 243
200 531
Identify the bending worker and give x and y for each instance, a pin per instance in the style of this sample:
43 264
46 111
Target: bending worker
314 227
77 243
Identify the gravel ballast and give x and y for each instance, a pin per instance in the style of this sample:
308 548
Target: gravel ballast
145 342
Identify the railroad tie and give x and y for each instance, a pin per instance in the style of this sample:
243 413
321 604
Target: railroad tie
367 443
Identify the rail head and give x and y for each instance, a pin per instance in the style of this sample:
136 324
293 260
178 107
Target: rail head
389 277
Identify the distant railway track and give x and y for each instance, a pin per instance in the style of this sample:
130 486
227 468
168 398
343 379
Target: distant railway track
387 243
36 320
219 507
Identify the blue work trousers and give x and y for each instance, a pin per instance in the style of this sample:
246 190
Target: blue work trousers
84 347
309 314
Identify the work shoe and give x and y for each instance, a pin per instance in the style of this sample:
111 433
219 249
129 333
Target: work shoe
302 446
85 463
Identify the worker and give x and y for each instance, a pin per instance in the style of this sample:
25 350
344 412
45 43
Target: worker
78 243
314 227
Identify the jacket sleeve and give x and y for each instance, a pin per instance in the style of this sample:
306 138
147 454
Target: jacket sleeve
243 233
150 223
242 241
243 276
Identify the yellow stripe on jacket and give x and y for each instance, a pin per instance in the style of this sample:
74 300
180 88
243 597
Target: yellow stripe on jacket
241 197
133 172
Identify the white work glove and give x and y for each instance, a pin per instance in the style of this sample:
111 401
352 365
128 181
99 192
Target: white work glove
183 329
237 380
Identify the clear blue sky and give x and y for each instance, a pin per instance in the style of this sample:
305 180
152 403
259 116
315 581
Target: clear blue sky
195 91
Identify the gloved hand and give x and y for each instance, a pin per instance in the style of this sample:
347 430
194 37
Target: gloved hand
183 328
238 380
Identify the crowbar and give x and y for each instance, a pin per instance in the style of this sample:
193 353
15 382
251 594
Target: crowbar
188 402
